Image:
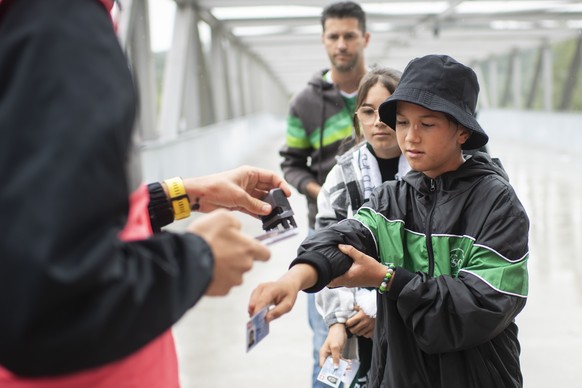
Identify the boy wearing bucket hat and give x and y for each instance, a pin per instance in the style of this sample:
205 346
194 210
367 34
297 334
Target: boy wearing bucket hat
447 247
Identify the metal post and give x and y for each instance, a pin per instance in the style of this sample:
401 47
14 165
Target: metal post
548 79
175 72
572 80
134 35
220 81
516 85
493 83
533 92
483 101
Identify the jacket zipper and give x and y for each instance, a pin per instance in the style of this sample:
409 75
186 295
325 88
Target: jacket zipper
320 178
429 248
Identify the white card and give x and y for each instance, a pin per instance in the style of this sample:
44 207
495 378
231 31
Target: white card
331 375
351 371
276 235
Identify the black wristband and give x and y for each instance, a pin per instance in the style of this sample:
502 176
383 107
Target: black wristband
159 207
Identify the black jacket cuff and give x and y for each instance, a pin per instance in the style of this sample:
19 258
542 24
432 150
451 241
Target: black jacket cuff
401 278
321 264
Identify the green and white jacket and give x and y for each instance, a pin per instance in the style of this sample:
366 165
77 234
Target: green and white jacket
348 185
460 246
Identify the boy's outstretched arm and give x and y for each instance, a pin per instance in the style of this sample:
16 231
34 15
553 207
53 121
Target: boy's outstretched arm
283 292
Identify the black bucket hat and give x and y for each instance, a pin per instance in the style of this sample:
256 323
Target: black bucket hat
439 83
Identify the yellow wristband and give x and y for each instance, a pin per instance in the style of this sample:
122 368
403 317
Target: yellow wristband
178 197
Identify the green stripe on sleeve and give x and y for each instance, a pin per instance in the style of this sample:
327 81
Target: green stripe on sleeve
452 254
296 134
390 236
337 128
500 273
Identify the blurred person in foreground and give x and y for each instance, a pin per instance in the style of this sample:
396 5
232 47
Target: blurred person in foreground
88 296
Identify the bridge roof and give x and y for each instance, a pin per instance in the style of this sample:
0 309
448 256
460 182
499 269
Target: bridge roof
285 35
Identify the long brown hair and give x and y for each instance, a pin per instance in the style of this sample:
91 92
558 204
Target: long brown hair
384 75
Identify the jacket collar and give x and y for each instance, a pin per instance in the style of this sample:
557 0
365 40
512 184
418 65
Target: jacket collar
476 166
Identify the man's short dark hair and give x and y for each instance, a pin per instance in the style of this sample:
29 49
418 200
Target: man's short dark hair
344 9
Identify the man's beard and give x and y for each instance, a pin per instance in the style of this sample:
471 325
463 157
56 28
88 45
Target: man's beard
345 67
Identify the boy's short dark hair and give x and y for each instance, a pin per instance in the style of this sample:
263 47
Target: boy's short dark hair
344 9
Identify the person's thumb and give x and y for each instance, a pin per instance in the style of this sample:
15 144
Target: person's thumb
256 206
350 251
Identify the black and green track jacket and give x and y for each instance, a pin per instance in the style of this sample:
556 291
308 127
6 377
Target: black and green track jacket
308 153
460 245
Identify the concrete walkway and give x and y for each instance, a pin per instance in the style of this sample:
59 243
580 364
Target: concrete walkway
211 337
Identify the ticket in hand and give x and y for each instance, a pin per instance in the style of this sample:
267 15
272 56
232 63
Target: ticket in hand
257 328
331 375
351 371
276 235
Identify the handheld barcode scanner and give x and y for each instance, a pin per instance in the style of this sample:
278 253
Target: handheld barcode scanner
279 224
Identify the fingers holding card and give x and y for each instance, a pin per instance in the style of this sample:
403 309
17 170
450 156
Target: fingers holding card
332 375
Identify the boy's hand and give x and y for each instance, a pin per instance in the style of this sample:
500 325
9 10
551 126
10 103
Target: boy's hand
282 293
366 271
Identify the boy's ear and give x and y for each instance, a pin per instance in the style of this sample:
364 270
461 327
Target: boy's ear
464 135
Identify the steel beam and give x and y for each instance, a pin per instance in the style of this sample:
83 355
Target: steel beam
572 80
134 35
